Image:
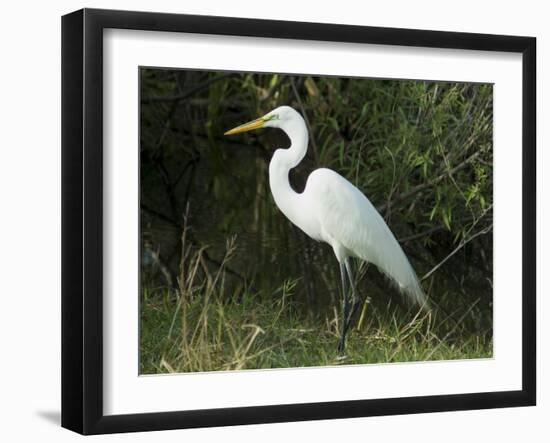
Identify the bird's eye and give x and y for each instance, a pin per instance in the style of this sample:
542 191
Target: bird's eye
273 117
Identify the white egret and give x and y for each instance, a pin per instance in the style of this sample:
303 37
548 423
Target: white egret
332 210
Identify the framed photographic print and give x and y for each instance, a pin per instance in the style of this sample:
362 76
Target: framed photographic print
269 221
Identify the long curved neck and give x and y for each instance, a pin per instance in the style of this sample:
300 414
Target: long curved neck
282 162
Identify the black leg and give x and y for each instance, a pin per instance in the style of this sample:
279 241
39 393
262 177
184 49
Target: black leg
356 300
345 308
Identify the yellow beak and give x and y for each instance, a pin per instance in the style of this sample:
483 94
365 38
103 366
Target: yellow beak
250 126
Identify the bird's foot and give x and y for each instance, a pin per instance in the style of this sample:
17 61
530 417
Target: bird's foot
341 347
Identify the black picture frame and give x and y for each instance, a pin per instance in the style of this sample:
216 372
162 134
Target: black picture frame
82 218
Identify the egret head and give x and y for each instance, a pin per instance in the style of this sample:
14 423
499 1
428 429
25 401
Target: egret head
273 119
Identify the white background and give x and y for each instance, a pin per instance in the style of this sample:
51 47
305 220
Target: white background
30 222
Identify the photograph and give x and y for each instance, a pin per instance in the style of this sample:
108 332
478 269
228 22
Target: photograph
291 220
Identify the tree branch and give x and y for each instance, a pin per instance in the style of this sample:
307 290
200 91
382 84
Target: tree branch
455 250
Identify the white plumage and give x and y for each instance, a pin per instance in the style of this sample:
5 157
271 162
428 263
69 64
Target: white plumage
332 210
353 227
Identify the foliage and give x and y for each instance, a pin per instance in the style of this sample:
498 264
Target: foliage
421 151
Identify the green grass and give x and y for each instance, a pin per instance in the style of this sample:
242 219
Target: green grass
180 334
207 326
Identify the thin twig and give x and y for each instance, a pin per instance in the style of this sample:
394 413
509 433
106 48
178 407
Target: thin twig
455 250
432 230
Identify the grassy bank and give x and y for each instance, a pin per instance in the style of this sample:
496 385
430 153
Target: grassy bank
204 333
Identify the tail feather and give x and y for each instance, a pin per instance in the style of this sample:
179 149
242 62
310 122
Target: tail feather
415 292
393 262
411 288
